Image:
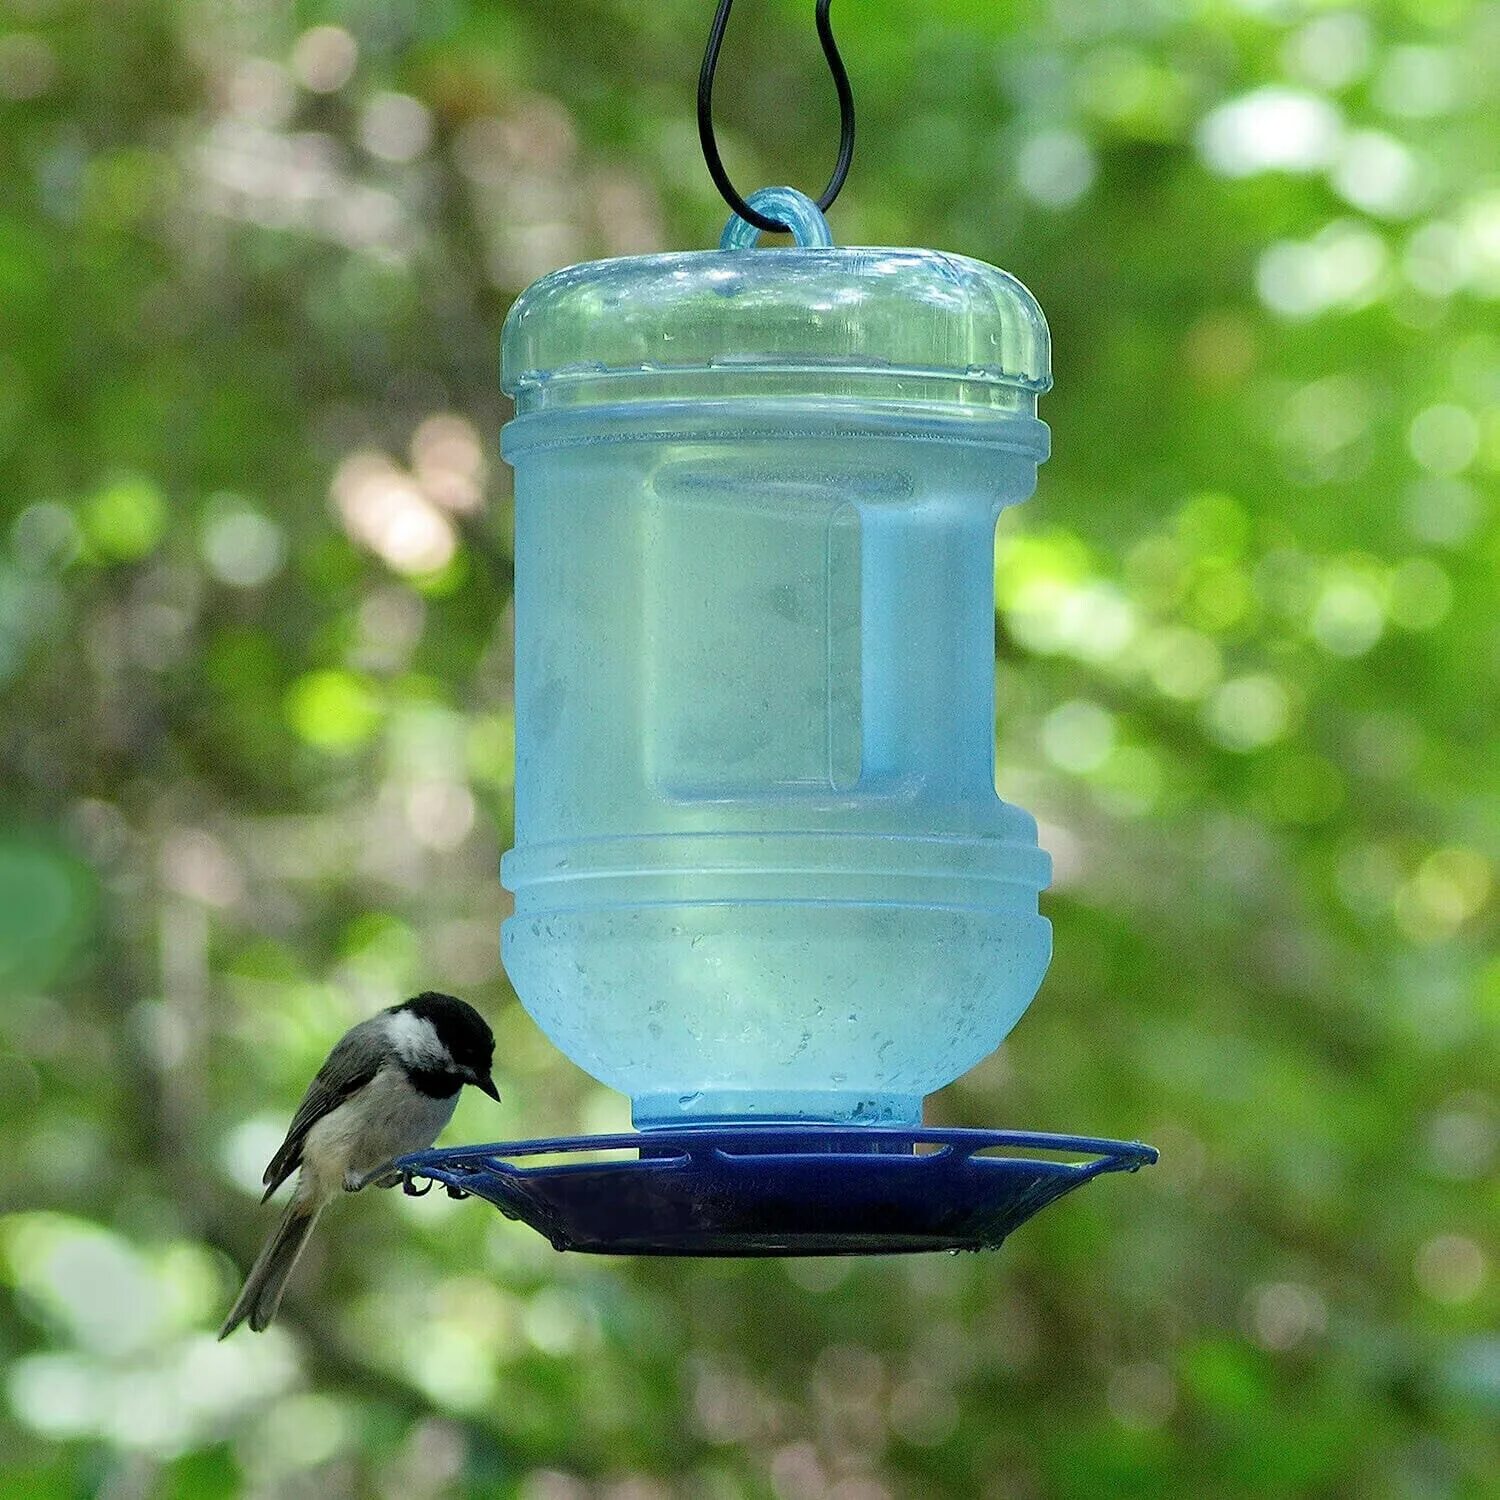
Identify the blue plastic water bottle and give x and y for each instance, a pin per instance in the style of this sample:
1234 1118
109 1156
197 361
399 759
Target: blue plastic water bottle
761 871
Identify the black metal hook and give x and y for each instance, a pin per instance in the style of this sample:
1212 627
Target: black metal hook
706 118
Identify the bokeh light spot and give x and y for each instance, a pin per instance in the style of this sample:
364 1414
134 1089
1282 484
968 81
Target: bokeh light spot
1349 615
1269 129
1463 1138
1055 167
1182 663
1448 888
1284 1314
1344 265
386 509
333 710
304 1430
1444 438
1450 1268
126 519
1249 712
1330 51
1442 510
1377 173
242 547
395 127
324 59
1078 736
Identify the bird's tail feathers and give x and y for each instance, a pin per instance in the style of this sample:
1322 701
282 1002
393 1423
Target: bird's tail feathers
261 1296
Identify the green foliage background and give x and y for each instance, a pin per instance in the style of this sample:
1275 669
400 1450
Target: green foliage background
254 759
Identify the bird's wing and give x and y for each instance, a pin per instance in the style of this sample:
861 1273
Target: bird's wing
353 1062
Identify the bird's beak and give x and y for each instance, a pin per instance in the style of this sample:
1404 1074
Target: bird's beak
486 1084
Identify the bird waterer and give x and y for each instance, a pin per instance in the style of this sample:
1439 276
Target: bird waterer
763 883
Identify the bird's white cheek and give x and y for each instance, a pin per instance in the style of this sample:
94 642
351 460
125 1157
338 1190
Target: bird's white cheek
414 1039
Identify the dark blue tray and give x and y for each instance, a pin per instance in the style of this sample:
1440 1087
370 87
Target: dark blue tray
778 1190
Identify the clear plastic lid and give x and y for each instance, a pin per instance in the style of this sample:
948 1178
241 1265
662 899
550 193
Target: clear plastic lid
918 324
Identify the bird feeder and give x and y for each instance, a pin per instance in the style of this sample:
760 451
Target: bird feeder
764 885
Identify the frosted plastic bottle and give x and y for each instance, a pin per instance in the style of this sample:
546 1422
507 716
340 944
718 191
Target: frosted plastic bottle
761 870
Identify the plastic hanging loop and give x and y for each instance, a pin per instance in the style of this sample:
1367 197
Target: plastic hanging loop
716 170
795 212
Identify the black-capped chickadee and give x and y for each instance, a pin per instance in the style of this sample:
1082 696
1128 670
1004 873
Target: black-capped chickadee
389 1087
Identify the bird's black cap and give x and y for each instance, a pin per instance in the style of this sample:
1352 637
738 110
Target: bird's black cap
462 1030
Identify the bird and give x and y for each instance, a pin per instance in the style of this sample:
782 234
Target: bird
388 1087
